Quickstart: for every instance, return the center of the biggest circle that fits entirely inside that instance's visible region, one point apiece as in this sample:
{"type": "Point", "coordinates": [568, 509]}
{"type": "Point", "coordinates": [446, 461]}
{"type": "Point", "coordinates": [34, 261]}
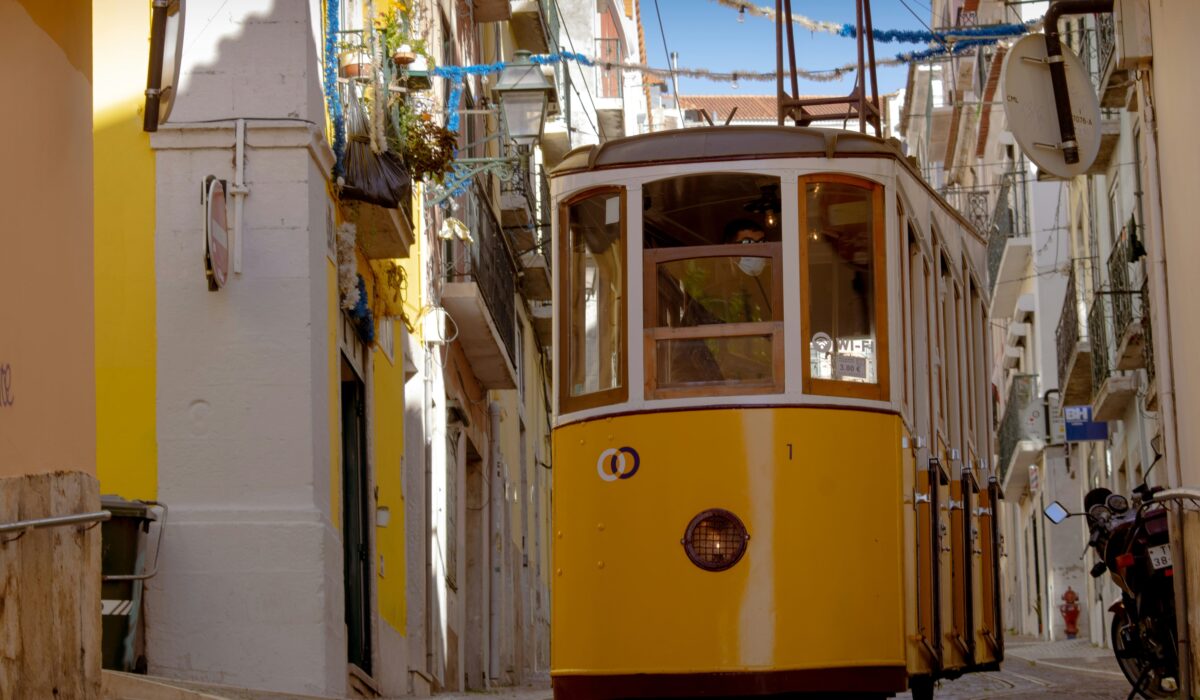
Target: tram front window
{"type": "Point", "coordinates": [593, 301]}
{"type": "Point", "coordinates": [713, 300]}
{"type": "Point", "coordinates": [842, 258]}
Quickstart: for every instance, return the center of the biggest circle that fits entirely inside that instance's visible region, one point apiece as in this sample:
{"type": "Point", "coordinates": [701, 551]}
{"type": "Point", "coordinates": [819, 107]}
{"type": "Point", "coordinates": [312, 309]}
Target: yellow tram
{"type": "Point", "coordinates": [772, 440]}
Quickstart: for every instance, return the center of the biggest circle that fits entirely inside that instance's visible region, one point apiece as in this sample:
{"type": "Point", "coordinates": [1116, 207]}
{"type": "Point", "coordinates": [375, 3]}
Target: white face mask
{"type": "Point", "coordinates": [752, 266]}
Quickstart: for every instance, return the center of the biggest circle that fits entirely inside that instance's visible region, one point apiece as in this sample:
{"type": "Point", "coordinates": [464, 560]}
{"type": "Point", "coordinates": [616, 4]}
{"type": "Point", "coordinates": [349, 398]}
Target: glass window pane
{"type": "Point", "coordinates": [742, 360]}
{"type": "Point", "coordinates": [703, 291]}
{"type": "Point", "coordinates": [839, 235]}
{"type": "Point", "coordinates": [595, 274]}
{"type": "Point", "coordinates": [714, 310]}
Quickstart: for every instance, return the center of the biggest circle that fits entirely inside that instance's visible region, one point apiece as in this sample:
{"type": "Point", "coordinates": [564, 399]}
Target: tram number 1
{"type": "Point", "coordinates": [789, 451]}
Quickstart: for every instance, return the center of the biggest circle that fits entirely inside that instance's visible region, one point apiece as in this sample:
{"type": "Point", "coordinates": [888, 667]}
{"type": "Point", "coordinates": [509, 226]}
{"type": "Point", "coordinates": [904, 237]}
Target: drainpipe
{"type": "Point", "coordinates": [496, 505]}
{"type": "Point", "coordinates": [1058, 71]}
{"type": "Point", "coordinates": [158, 44]}
{"type": "Point", "coordinates": [239, 192]}
{"type": "Point", "coordinates": [1160, 323]}
{"type": "Point", "coordinates": [427, 423]}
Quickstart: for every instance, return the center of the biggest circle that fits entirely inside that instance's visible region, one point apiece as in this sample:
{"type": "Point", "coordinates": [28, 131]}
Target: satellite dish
{"type": "Point", "coordinates": [1032, 115]}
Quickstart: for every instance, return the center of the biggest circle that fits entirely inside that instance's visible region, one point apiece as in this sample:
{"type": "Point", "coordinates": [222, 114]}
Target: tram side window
{"type": "Point", "coordinates": [713, 288]}
{"type": "Point", "coordinates": [593, 307]}
{"type": "Point", "coordinates": [842, 249]}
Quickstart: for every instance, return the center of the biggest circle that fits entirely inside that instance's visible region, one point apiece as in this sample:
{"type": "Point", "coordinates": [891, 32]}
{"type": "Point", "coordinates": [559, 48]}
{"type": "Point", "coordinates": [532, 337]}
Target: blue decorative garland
{"type": "Point", "coordinates": [332, 99]}
{"type": "Point", "coordinates": [457, 74]}
{"type": "Point", "coordinates": [952, 50]}
{"type": "Point", "coordinates": [921, 36]}
{"type": "Point", "coordinates": [364, 320]}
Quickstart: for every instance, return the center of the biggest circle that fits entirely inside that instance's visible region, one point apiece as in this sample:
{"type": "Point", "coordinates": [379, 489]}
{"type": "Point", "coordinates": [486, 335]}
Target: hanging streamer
{"type": "Point", "coordinates": [456, 74]}
{"type": "Point", "coordinates": [332, 99]}
{"type": "Point", "coordinates": [904, 36]}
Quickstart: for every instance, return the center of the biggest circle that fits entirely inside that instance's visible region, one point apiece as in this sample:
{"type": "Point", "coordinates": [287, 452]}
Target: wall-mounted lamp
{"type": "Point", "coordinates": [523, 92]}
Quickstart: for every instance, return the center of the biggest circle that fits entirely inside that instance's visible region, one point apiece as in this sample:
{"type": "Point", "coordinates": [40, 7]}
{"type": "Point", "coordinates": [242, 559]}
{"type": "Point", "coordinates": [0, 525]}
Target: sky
{"type": "Point", "coordinates": [706, 34]}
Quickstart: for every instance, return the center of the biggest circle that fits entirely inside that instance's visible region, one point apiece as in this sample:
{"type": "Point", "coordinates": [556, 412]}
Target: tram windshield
{"type": "Point", "coordinates": [713, 300]}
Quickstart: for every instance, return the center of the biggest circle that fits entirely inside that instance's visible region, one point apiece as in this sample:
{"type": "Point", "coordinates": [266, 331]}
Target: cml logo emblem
{"type": "Point", "coordinates": [614, 463]}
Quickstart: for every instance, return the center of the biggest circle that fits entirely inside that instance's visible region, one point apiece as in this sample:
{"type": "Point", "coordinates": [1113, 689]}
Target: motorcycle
{"type": "Point", "coordinates": [1132, 541]}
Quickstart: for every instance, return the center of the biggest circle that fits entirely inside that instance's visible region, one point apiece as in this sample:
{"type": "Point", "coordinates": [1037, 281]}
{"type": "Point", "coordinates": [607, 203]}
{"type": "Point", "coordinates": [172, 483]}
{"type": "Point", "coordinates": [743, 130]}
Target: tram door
{"type": "Point", "coordinates": [987, 549]}
{"type": "Point", "coordinates": [962, 486]}
{"type": "Point", "coordinates": [928, 470]}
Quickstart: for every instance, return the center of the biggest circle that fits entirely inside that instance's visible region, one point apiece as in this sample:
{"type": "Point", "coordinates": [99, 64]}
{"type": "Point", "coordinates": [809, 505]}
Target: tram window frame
{"type": "Point", "coordinates": [880, 389]}
{"type": "Point", "coordinates": [568, 403]}
{"type": "Point", "coordinates": [653, 333]}
{"type": "Point", "coordinates": [906, 386]}
{"type": "Point", "coordinates": [940, 275]}
{"type": "Point", "coordinates": [710, 332]}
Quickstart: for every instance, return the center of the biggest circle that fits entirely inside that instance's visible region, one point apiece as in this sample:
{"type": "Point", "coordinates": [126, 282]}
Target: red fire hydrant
{"type": "Point", "coordinates": [1070, 612]}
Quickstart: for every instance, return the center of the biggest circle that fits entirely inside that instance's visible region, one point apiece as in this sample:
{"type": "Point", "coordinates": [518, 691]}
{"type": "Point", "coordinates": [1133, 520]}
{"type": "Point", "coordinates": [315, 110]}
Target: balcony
{"type": "Point", "coordinates": [533, 242]}
{"type": "Point", "coordinates": [1009, 247]}
{"type": "Point", "coordinates": [377, 192]}
{"type": "Point", "coordinates": [1074, 352]}
{"type": "Point", "coordinates": [479, 292]}
{"type": "Point", "coordinates": [543, 324]}
{"type": "Point", "coordinates": [530, 25]}
{"type": "Point", "coordinates": [517, 203]}
{"type": "Point", "coordinates": [1111, 391]}
{"type": "Point", "coordinates": [610, 103]}
{"type": "Point", "coordinates": [1148, 338]}
{"type": "Point", "coordinates": [1113, 82]}
{"type": "Point", "coordinates": [1022, 432]}
{"type": "Point", "coordinates": [1128, 309]}
{"type": "Point", "coordinates": [491, 10]}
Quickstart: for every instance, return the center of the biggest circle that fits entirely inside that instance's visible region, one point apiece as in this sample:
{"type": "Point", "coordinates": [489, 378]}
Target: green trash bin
{"type": "Point", "coordinates": [123, 553]}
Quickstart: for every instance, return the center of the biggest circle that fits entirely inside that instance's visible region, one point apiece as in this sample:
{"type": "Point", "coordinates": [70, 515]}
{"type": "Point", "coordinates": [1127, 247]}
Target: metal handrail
{"type": "Point", "coordinates": [162, 525]}
{"type": "Point", "coordinates": [25, 526]}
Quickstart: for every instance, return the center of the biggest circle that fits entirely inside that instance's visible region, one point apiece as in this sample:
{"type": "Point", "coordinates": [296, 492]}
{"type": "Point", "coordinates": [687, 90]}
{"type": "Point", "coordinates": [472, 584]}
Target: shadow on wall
{"type": "Point", "coordinates": [250, 591]}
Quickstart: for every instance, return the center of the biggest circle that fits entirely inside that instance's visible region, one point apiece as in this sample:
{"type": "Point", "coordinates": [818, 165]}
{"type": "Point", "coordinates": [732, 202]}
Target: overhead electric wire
{"type": "Point", "coordinates": [674, 77]}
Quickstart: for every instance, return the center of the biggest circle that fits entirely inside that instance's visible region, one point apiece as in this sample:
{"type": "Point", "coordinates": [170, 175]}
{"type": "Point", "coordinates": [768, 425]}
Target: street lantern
{"type": "Point", "coordinates": [523, 92]}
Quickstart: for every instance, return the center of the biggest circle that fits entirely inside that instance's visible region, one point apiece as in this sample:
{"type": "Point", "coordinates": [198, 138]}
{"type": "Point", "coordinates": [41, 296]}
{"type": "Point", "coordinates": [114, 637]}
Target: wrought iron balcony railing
{"type": "Point", "coordinates": [608, 79]}
{"type": "Point", "coordinates": [1015, 425]}
{"type": "Point", "coordinates": [1070, 332]}
{"type": "Point", "coordinates": [1100, 340]}
{"type": "Point", "coordinates": [1126, 301]}
{"type": "Point", "coordinates": [1148, 336]}
{"type": "Point", "coordinates": [488, 261]}
{"type": "Point", "coordinates": [1106, 41]}
{"type": "Point", "coordinates": [1005, 222]}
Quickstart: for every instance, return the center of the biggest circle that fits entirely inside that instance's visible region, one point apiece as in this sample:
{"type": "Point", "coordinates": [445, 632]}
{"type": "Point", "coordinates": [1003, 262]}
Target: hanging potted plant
{"type": "Point", "coordinates": [429, 148]}
{"type": "Point", "coordinates": [405, 47]}
{"type": "Point", "coordinates": [354, 61]}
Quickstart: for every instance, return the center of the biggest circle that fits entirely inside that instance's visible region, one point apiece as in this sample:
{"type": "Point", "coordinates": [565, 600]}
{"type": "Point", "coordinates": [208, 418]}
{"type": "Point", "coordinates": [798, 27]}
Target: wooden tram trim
{"type": "Point", "coordinates": [880, 390]}
{"type": "Point", "coordinates": [653, 333]}
{"type": "Point", "coordinates": [620, 393]}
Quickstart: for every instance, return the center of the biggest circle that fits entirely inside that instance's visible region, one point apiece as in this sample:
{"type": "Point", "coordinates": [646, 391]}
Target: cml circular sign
{"type": "Point", "coordinates": [216, 234]}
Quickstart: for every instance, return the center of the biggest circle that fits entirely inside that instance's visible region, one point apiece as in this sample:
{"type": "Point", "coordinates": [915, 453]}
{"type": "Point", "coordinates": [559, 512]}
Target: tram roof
{"type": "Point", "coordinates": [716, 143]}
{"type": "Point", "coordinates": [721, 143]}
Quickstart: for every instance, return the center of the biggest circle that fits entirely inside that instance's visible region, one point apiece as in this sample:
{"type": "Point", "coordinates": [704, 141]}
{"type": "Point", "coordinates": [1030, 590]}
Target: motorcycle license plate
{"type": "Point", "coordinates": [1160, 556]}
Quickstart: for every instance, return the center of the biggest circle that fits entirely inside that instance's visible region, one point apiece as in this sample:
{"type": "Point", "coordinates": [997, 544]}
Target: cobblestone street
{"type": "Point", "coordinates": [1033, 669]}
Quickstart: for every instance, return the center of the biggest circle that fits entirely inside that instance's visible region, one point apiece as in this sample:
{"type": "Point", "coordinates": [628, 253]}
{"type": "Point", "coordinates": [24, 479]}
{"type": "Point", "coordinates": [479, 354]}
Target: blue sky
{"type": "Point", "coordinates": [707, 35]}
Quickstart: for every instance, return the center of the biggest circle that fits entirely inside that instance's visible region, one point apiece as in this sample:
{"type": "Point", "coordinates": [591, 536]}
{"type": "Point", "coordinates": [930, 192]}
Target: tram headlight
{"type": "Point", "coordinates": [715, 540]}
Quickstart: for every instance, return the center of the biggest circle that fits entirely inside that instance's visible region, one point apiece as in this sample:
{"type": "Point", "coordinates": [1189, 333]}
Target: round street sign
{"type": "Point", "coordinates": [216, 234]}
{"type": "Point", "coordinates": [1032, 116]}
